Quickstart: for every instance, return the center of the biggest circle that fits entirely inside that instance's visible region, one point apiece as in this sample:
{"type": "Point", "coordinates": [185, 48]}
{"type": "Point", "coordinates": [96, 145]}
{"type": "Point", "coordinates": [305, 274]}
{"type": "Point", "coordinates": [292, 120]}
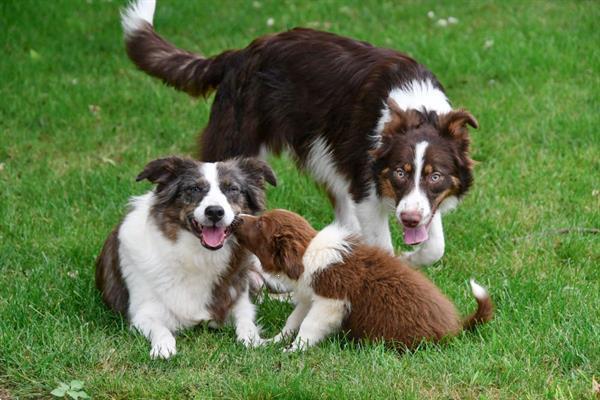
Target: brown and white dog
{"type": "Point", "coordinates": [371, 124]}
{"type": "Point", "coordinates": [171, 263]}
{"type": "Point", "coordinates": [343, 284]}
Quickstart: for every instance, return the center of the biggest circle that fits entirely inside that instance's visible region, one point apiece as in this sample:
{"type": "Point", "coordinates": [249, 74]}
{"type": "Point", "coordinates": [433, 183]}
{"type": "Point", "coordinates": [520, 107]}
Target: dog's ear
{"type": "Point", "coordinates": [257, 170]}
{"type": "Point", "coordinates": [288, 255]}
{"type": "Point", "coordinates": [399, 123]}
{"type": "Point", "coordinates": [256, 173]}
{"type": "Point", "coordinates": [454, 124]}
{"type": "Point", "coordinates": [163, 170]}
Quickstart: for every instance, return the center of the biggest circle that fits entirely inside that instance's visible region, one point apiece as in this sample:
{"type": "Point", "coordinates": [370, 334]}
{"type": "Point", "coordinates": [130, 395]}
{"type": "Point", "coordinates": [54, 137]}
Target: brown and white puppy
{"type": "Point", "coordinates": [342, 284]}
{"type": "Point", "coordinates": [371, 124]}
{"type": "Point", "coordinates": [171, 263]}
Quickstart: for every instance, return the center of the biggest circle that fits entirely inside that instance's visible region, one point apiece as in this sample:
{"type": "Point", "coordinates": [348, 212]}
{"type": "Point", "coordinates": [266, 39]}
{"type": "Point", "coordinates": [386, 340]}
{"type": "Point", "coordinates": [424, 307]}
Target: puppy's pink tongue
{"type": "Point", "coordinates": [213, 236]}
{"type": "Point", "coordinates": [415, 235]}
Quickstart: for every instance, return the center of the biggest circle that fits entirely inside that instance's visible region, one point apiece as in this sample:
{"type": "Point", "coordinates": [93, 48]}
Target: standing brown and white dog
{"type": "Point", "coordinates": [172, 262]}
{"type": "Point", "coordinates": [342, 284]}
{"type": "Point", "coordinates": [371, 124]}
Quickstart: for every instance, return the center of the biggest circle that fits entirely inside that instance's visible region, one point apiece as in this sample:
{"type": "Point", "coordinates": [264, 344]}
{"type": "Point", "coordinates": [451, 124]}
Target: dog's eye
{"type": "Point", "coordinates": [435, 177]}
{"type": "Point", "coordinates": [195, 189]}
{"type": "Point", "coordinates": [400, 174]}
{"type": "Point", "coordinates": [232, 189]}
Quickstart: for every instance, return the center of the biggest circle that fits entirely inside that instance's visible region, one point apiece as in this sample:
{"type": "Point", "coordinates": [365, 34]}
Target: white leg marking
{"type": "Point", "coordinates": [322, 166]}
{"type": "Point", "coordinates": [324, 318]}
{"type": "Point", "coordinates": [243, 317]}
{"type": "Point", "coordinates": [161, 338]}
{"type": "Point", "coordinates": [374, 224]}
{"type": "Point", "coordinates": [432, 249]}
{"type": "Point", "coordinates": [293, 322]}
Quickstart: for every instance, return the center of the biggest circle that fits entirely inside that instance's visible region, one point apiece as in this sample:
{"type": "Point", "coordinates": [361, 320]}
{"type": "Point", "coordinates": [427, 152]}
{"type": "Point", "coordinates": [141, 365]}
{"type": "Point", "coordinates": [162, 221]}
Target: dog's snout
{"type": "Point", "coordinates": [410, 219]}
{"type": "Point", "coordinates": [214, 213]}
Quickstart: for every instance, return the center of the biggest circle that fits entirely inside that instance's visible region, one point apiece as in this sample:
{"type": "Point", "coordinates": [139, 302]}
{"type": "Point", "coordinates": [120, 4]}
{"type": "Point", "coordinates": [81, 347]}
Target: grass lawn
{"type": "Point", "coordinates": [78, 122]}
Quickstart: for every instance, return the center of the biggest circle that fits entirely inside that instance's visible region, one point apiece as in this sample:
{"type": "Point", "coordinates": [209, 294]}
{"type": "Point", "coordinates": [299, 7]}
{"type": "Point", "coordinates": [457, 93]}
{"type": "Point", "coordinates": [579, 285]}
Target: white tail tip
{"type": "Point", "coordinates": [478, 291]}
{"type": "Point", "coordinates": [136, 13]}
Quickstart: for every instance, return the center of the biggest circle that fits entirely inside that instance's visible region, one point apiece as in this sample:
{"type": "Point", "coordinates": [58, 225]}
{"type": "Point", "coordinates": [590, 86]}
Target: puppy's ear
{"type": "Point", "coordinates": [163, 170]}
{"type": "Point", "coordinates": [256, 173]}
{"type": "Point", "coordinates": [288, 256]}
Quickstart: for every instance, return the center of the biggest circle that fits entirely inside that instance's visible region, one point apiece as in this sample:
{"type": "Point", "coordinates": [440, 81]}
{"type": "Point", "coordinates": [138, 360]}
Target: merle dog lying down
{"type": "Point", "coordinates": [342, 284]}
{"type": "Point", "coordinates": [172, 262]}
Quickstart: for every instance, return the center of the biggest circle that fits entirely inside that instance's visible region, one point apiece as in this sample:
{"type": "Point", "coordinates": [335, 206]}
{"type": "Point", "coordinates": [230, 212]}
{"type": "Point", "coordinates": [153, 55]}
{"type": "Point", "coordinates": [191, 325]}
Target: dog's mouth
{"type": "Point", "coordinates": [418, 234]}
{"type": "Point", "coordinates": [211, 237]}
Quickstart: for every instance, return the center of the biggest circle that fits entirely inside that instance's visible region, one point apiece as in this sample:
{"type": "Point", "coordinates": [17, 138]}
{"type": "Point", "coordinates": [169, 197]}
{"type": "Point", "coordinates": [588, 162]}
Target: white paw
{"type": "Point", "coordinates": [164, 348]}
{"type": "Point", "coordinates": [252, 341]}
{"type": "Point", "coordinates": [275, 339]}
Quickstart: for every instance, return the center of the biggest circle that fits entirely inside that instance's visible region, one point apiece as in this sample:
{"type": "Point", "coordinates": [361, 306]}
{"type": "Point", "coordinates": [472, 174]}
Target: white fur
{"type": "Point", "coordinates": [321, 164]}
{"type": "Point", "coordinates": [315, 317]}
{"type": "Point", "coordinates": [214, 197]}
{"type": "Point", "coordinates": [416, 200]}
{"type": "Point", "coordinates": [324, 318]}
{"type": "Point", "coordinates": [478, 291]}
{"type": "Point", "coordinates": [414, 95]}
{"type": "Point", "coordinates": [432, 249]}
{"type": "Point", "coordinates": [328, 247]}
{"type": "Point", "coordinates": [372, 214]}
{"type": "Point", "coordinates": [170, 282]}
{"type": "Point", "coordinates": [136, 14]}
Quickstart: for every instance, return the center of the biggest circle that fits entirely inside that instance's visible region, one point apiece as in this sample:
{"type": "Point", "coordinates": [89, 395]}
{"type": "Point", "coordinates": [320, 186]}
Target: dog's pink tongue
{"type": "Point", "coordinates": [415, 235]}
{"type": "Point", "coordinates": [213, 236]}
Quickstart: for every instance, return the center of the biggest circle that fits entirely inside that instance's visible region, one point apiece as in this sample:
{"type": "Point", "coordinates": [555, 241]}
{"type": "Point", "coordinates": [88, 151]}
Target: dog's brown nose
{"type": "Point", "coordinates": [410, 219]}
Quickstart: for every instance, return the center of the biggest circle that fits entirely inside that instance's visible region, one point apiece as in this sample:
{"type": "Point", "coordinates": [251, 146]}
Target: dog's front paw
{"type": "Point", "coordinates": [252, 341]}
{"type": "Point", "coordinates": [164, 348]}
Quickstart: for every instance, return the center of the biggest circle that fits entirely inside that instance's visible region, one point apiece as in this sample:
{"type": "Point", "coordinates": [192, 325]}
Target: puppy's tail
{"type": "Point", "coordinates": [185, 71]}
{"type": "Point", "coordinates": [485, 307]}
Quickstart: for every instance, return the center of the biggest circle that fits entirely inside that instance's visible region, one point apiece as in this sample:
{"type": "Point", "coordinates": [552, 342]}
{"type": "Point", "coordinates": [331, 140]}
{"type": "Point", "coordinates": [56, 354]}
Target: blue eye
{"type": "Point", "coordinates": [232, 189]}
{"type": "Point", "coordinates": [435, 177]}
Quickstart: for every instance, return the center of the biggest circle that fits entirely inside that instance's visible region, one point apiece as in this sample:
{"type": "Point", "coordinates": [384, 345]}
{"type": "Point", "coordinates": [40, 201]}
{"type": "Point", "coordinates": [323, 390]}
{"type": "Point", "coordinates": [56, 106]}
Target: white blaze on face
{"type": "Point", "coordinates": [416, 200]}
{"type": "Point", "coordinates": [213, 233]}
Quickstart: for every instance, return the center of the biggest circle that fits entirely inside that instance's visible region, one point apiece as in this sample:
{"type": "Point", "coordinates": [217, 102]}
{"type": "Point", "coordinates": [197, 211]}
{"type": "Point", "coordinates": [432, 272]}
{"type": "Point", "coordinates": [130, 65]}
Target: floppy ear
{"type": "Point", "coordinates": [455, 123]}
{"type": "Point", "coordinates": [256, 173]}
{"type": "Point", "coordinates": [258, 170]}
{"type": "Point", "coordinates": [400, 121]}
{"type": "Point", "coordinates": [288, 256]}
{"type": "Point", "coordinates": [162, 170]}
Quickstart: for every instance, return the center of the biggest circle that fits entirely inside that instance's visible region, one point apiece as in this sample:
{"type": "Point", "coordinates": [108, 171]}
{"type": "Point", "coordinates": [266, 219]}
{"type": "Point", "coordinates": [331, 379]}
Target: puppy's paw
{"type": "Point", "coordinates": [163, 348]}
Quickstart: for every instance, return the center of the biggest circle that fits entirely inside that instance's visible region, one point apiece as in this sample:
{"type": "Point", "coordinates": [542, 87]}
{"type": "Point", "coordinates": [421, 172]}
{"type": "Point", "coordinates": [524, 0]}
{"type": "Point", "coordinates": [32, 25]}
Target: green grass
{"type": "Point", "coordinates": [66, 173]}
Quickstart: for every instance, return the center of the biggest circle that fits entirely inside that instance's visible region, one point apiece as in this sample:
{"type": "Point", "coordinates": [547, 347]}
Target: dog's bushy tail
{"type": "Point", "coordinates": [485, 307]}
{"type": "Point", "coordinates": [185, 71]}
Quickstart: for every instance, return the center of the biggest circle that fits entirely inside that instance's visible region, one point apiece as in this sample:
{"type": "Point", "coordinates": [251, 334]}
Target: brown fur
{"type": "Point", "coordinates": [388, 299]}
{"type": "Point", "coordinates": [109, 279]}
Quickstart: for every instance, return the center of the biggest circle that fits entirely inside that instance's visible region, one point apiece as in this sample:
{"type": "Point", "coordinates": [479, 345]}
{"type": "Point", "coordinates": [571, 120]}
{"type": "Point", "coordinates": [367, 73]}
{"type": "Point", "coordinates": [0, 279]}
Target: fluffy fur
{"type": "Point", "coordinates": [170, 263]}
{"type": "Point", "coordinates": [342, 284]}
{"type": "Point", "coordinates": [350, 113]}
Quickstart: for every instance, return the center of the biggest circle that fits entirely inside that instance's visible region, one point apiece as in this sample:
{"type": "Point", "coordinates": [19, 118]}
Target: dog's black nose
{"type": "Point", "coordinates": [214, 213]}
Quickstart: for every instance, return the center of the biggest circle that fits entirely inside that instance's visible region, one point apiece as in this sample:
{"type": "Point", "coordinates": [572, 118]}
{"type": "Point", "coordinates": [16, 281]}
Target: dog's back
{"type": "Point", "coordinates": [391, 301]}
